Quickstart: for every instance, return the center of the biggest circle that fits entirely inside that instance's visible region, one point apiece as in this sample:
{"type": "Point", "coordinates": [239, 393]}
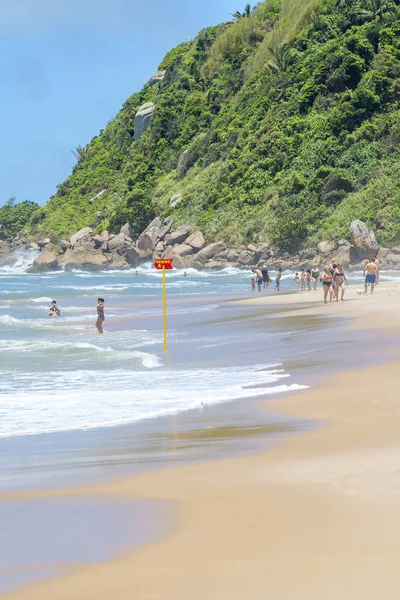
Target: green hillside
{"type": "Point", "coordinates": [289, 116]}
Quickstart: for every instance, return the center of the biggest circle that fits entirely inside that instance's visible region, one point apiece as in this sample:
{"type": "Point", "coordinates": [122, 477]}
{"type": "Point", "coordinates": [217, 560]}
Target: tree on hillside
{"type": "Point", "coordinates": [14, 217]}
{"type": "Point", "coordinates": [80, 153]}
{"type": "Point", "coordinates": [247, 12]}
{"type": "Point", "coordinates": [375, 9]}
{"type": "Point", "coordinates": [280, 58]}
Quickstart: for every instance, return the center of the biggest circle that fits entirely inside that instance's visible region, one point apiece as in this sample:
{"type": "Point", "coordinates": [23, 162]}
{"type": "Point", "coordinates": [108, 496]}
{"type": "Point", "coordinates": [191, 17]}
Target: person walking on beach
{"type": "Point", "coordinates": [308, 278]}
{"type": "Point", "coordinates": [370, 272]}
{"type": "Point", "coordinates": [340, 281]}
{"type": "Point", "coordinates": [54, 311]}
{"type": "Point", "coordinates": [277, 287]}
{"type": "Point", "coordinates": [266, 277]}
{"type": "Point", "coordinates": [303, 280]}
{"type": "Point", "coordinates": [376, 261]}
{"type": "Point", "coordinates": [297, 280]}
{"type": "Point", "coordinates": [315, 275]}
{"type": "Point", "coordinates": [327, 279]}
{"type": "Point", "coordinates": [100, 315]}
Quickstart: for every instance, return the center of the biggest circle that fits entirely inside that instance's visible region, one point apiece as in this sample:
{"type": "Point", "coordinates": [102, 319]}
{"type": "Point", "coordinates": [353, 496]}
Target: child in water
{"type": "Point", "coordinates": [54, 310]}
{"type": "Point", "coordinates": [253, 285]}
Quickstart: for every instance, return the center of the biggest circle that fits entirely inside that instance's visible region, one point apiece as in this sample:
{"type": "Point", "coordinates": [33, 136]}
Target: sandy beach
{"type": "Point", "coordinates": [314, 517]}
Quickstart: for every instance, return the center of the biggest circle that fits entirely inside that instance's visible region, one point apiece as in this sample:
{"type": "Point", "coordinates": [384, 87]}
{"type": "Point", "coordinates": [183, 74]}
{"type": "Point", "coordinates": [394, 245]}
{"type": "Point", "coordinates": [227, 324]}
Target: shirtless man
{"type": "Point", "coordinates": [371, 271]}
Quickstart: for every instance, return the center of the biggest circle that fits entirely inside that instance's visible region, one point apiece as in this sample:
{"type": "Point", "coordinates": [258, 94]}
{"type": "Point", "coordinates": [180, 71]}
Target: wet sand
{"type": "Point", "coordinates": [315, 517]}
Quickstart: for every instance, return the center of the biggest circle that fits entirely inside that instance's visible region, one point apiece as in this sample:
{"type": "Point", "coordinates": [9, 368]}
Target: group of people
{"type": "Point", "coordinates": [333, 279]}
{"type": "Point", "coordinates": [54, 311]}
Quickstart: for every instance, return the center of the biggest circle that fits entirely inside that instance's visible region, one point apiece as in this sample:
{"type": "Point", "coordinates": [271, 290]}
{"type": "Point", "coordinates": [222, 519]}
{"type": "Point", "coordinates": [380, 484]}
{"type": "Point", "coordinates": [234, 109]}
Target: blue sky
{"type": "Point", "coordinates": [67, 66]}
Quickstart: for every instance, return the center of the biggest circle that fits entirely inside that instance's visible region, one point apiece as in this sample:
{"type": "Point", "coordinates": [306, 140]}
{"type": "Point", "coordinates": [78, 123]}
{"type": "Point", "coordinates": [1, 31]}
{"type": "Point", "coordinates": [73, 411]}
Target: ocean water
{"type": "Point", "coordinates": [60, 375]}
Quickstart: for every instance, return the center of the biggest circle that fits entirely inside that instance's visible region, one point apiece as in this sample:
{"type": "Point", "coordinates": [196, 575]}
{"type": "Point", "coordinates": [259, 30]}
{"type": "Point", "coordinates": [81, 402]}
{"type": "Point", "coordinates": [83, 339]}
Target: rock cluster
{"type": "Point", "coordinates": [87, 251]}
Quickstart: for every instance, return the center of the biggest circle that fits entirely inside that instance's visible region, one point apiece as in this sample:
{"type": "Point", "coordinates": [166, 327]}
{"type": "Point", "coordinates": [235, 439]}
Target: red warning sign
{"type": "Point", "coordinates": [163, 263]}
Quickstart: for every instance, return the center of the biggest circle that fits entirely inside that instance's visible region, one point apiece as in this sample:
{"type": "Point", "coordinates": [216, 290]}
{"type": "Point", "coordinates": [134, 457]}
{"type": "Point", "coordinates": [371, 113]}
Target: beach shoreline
{"type": "Point", "coordinates": [321, 504]}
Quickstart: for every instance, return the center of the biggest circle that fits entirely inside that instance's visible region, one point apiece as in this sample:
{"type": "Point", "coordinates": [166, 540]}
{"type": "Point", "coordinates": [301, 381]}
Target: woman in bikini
{"type": "Point", "coordinates": [340, 280]}
{"type": "Point", "coordinates": [100, 315]}
{"type": "Point", "coordinates": [327, 284]}
{"type": "Point", "coordinates": [308, 279]}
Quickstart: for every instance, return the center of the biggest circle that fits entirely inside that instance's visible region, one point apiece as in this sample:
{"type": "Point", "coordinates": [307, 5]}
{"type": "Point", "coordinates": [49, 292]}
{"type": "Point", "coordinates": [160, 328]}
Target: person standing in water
{"type": "Point", "coordinates": [315, 275]}
{"type": "Point", "coordinates": [100, 315]}
{"type": "Point", "coordinates": [371, 271]}
{"type": "Point", "coordinates": [265, 276]}
{"type": "Point", "coordinates": [278, 281]}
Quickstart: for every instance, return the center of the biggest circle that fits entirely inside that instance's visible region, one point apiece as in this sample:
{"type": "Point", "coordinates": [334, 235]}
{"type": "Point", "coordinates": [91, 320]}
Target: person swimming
{"type": "Point", "coordinates": [100, 315]}
{"type": "Point", "coordinates": [54, 311]}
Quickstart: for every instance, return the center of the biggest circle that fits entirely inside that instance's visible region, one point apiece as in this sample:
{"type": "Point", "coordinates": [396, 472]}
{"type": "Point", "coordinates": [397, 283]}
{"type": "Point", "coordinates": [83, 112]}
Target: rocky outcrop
{"type": "Point", "coordinates": [142, 119]}
{"type": "Point", "coordinates": [46, 261]}
{"type": "Point", "coordinates": [128, 230]}
{"type": "Point", "coordinates": [363, 242]}
{"type": "Point", "coordinates": [178, 236]}
{"type": "Point", "coordinates": [82, 233]}
{"type": "Point", "coordinates": [175, 200]}
{"type": "Point", "coordinates": [196, 241]}
{"type": "Point", "coordinates": [156, 78]}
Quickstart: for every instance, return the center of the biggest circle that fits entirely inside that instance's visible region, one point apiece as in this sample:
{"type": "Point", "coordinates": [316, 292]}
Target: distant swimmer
{"type": "Point", "coordinates": [185, 274]}
{"type": "Point", "coordinates": [100, 315]}
{"type": "Point", "coordinates": [371, 272]}
{"type": "Point", "coordinates": [277, 287]}
{"type": "Point", "coordinates": [54, 310]}
{"type": "Point", "coordinates": [136, 272]}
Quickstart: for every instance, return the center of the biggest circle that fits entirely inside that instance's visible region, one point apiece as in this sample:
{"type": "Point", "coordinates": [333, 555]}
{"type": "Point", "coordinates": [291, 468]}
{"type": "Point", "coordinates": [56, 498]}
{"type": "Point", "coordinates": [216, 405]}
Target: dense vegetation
{"type": "Point", "coordinates": [290, 118]}
{"type": "Point", "coordinates": [14, 217]}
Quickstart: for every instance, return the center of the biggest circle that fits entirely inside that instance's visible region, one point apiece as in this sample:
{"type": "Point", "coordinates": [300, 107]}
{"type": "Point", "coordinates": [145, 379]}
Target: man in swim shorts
{"type": "Point", "coordinates": [370, 272]}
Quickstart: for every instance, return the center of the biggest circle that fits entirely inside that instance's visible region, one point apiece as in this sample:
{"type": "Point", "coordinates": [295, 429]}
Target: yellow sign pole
{"type": "Point", "coordinates": [164, 291]}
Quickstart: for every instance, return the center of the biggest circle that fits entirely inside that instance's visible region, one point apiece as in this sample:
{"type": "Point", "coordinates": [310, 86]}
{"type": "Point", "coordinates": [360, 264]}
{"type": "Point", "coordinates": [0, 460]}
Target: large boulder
{"type": "Point", "coordinates": [46, 261]}
{"type": "Point", "coordinates": [142, 119]}
{"type": "Point", "coordinates": [246, 258]}
{"type": "Point", "coordinates": [136, 257]}
{"type": "Point", "coordinates": [127, 230]}
{"type": "Point", "coordinates": [196, 240]}
{"type": "Point", "coordinates": [263, 252]}
{"type": "Point", "coordinates": [148, 239]}
{"type": "Point", "coordinates": [393, 258]}
{"type": "Point", "coordinates": [117, 243]}
{"type": "Point", "coordinates": [232, 255]}
{"type": "Point", "coordinates": [82, 233]}
{"type": "Point", "coordinates": [157, 78]}
{"type": "Point", "coordinates": [78, 258]}
{"type": "Point", "coordinates": [208, 253]}
{"type": "Point", "coordinates": [165, 229]}
{"type": "Point", "coordinates": [183, 250]}
{"type": "Point", "coordinates": [116, 261]}
{"type": "Point", "coordinates": [178, 236]}
{"type": "Point", "coordinates": [64, 245]}
{"type": "Point", "coordinates": [342, 256]}
{"type": "Point", "coordinates": [180, 262]}
{"type": "Point", "coordinates": [326, 248]}
{"type": "Point", "coordinates": [363, 240]}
